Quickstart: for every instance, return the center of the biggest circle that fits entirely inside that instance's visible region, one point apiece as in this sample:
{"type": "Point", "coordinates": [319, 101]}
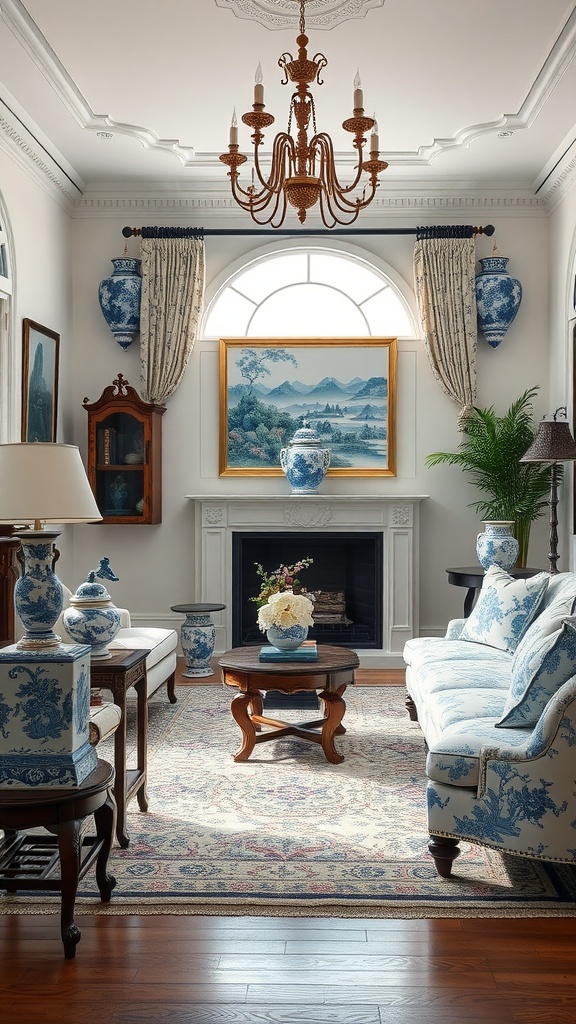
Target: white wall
{"type": "Point", "coordinates": [155, 563]}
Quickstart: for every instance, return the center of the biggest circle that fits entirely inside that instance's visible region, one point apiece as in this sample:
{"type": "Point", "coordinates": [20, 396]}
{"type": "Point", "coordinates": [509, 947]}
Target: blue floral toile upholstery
{"type": "Point", "coordinates": [505, 608]}
{"type": "Point", "coordinates": [511, 788]}
{"type": "Point", "coordinates": [541, 664]}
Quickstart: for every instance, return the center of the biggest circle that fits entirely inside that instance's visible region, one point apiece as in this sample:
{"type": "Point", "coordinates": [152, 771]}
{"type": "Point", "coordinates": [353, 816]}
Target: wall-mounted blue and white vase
{"type": "Point", "coordinates": [498, 298]}
{"type": "Point", "coordinates": [92, 618]}
{"type": "Point", "coordinates": [119, 297]}
{"type": "Point", "coordinates": [304, 461]}
{"type": "Point", "coordinates": [496, 545]}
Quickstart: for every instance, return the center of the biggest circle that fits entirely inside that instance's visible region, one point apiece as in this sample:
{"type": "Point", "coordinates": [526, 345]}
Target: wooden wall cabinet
{"type": "Point", "coordinates": [125, 455]}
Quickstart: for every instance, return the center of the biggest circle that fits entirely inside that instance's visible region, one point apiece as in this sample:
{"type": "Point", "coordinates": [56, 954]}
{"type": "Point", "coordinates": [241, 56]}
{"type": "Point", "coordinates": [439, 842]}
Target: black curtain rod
{"type": "Point", "coordinates": [440, 231]}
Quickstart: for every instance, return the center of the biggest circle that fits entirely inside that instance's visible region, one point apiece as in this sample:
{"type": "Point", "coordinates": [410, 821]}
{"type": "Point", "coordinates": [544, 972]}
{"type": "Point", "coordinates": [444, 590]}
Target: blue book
{"type": "Point", "coordinates": [308, 651]}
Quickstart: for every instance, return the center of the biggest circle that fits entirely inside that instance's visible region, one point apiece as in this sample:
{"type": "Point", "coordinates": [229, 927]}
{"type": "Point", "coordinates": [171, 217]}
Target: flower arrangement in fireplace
{"type": "Point", "coordinates": [284, 578]}
{"type": "Point", "coordinates": [285, 609]}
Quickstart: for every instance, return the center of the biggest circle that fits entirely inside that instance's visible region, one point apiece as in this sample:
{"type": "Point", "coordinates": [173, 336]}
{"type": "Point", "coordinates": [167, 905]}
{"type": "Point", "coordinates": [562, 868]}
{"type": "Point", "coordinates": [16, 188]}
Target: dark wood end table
{"type": "Point", "coordinates": [330, 675]}
{"type": "Point", "coordinates": [117, 674]}
{"type": "Point", "coordinates": [472, 577]}
{"type": "Point", "coordinates": [27, 862]}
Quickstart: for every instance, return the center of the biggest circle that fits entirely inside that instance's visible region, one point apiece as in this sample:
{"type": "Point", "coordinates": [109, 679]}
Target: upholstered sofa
{"type": "Point", "coordinates": [496, 701]}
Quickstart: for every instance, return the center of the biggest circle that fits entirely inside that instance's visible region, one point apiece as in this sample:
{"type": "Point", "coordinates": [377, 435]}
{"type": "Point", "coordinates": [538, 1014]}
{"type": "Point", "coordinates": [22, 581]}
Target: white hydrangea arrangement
{"type": "Point", "coordinates": [285, 609]}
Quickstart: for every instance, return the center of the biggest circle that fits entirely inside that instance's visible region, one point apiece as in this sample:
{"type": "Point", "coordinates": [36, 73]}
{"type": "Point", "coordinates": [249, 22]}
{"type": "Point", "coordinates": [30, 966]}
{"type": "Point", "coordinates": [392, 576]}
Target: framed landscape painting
{"type": "Point", "coordinates": [40, 350]}
{"type": "Point", "coordinates": [345, 388]}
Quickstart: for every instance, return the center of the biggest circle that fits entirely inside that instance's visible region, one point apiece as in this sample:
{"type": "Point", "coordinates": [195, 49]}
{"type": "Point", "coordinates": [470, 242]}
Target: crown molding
{"type": "Point", "coordinates": [20, 145]}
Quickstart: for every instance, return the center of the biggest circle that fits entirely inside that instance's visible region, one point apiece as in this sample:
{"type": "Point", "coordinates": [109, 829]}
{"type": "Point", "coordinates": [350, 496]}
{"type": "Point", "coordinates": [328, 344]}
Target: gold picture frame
{"type": "Point", "coordinates": [344, 387]}
{"type": "Point", "coordinates": [40, 354]}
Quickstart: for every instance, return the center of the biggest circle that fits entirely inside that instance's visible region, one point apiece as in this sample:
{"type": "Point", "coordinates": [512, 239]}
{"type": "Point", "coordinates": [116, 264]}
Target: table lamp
{"type": "Point", "coordinates": [42, 483]}
{"type": "Point", "coordinates": [553, 444]}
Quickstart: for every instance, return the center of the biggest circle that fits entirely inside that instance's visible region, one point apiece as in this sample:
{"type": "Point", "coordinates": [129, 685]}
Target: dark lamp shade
{"type": "Point", "coordinates": [553, 443]}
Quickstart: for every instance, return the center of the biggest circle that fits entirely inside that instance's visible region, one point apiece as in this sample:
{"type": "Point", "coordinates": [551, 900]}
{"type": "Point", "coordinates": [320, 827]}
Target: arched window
{"type": "Point", "coordinates": [8, 389]}
{"type": "Point", "coordinates": [309, 292]}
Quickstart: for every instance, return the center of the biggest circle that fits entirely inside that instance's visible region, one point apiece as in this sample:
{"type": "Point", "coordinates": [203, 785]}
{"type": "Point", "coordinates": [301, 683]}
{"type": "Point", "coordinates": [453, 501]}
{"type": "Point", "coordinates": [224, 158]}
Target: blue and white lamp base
{"type": "Point", "coordinates": [45, 717]}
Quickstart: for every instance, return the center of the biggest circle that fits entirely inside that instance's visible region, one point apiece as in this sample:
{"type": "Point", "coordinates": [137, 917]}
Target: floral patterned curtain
{"type": "Point", "coordinates": [172, 297]}
{"type": "Point", "coordinates": [445, 292]}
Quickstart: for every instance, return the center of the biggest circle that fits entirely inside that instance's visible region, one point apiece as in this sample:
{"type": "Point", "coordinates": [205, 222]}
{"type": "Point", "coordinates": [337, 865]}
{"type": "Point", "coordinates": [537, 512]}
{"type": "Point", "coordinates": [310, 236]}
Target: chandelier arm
{"type": "Point", "coordinates": [323, 144]}
{"type": "Point", "coordinates": [327, 208]}
{"type": "Point", "coordinates": [282, 150]}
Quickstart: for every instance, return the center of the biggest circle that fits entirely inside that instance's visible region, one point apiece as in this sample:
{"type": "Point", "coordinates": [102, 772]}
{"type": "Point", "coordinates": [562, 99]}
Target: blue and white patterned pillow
{"type": "Point", "coordinates": [537, 671]}
{"type": "Point", "coordinates": [504, 609]}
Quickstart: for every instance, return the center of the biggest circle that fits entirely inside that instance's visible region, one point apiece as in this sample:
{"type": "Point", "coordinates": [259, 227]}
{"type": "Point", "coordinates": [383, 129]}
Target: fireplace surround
{"type": "Point", "coordinates": [391, 522]}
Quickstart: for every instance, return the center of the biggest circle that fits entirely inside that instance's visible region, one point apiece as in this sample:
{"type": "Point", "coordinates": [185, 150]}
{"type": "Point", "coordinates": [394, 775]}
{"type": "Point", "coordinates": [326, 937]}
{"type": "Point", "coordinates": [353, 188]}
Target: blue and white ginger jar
{"type": "Point", "coordinates": [496, 545]}
{"type": "Point", "coordinates": [119, 297]}
{"type": "Point", "coordinates": [498, 298]}
{"type": "Point", "coordinates": [304, 461]}
{"type": "Point", "coordinates": [92, 618]}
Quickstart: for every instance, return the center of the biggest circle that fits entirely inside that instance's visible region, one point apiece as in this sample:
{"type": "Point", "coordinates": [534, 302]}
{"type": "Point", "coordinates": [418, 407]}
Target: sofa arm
{"type": "Point", "coordinates": [454, 629]}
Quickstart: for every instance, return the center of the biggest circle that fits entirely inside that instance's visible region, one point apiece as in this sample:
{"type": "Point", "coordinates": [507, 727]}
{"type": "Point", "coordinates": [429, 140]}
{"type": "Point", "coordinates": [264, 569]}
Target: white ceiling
{"type": "Point", "coordinates": [446, 79]}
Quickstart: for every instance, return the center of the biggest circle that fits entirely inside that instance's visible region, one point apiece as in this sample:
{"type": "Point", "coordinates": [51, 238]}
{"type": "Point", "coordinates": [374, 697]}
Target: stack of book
{"type": "Point", "coordinates": [308, 651]}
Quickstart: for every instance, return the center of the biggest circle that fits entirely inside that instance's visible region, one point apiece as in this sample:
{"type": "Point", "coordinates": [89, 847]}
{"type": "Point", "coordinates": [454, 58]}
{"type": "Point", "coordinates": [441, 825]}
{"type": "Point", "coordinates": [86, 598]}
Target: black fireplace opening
{"type": "Point", "coordinates": [344, 562]}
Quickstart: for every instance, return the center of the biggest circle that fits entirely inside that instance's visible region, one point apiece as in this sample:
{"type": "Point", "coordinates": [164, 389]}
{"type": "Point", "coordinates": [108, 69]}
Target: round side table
{"type": "Point", "coordinates": [197, 637]}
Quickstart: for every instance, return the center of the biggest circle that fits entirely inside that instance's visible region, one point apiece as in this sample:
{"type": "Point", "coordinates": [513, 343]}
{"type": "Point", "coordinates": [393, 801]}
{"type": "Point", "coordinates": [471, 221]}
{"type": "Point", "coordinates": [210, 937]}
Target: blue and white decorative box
{"type": "Point", "coordinates": [44, 717]}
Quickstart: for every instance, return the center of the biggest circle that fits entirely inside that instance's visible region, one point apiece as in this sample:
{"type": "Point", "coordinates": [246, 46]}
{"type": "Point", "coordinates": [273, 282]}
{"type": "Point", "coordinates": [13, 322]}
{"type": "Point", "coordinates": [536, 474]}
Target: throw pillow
{"type": "Point", "coordinates": [538, 670]}
{"type": "Point", "coordinates": [504, 609]}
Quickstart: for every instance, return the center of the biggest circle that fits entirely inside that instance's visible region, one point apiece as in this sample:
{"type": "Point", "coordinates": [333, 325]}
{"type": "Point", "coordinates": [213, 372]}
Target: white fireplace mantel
{"type": "Point", "coordinates": [218, 517]}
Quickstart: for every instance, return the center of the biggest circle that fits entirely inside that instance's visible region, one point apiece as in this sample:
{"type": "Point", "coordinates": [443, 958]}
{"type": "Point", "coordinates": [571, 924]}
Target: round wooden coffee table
{"type": "Point", "coordinates": [331, 674]}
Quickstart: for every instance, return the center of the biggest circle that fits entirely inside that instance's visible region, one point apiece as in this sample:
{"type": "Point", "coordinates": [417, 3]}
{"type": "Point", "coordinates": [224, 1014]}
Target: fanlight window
{"type": "Point", "coordinates": [309, 293]}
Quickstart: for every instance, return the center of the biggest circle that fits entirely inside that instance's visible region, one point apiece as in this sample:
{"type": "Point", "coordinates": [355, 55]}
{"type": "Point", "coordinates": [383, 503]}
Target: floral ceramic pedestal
{"type": "Point", "coordinates": [197, 637]}
{"type": "Point", "coordinates": [44, 740]}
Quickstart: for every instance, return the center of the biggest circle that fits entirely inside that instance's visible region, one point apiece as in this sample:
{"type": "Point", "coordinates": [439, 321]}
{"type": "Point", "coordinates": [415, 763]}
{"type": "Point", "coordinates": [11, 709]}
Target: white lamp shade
{"type": "Point", "coordinates": [44, 482]}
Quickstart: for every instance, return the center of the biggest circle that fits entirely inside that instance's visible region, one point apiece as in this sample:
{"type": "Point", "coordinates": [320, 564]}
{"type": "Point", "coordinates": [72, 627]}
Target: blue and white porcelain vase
{"type": "Point", "coordinates": [197, 639]}
{"type": "Point", "coordinates": [498, 298]}
{"type": "Point", "coordinates": [496, 545]}
{"type": "Point", "coordinates": [92, 618]}
{"type": "Point", "coordinates": [119, 297]}
{"type": "Point", "coordinates": [304, 461]}
{"type": "Point", "coordinates": [286, 638]}
{"type": "Point", "coordinates": [38, 594]}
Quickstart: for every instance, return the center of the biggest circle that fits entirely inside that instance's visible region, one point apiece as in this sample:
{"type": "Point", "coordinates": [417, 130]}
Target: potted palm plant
{"type": "Point", "coordinates": [490, 453]}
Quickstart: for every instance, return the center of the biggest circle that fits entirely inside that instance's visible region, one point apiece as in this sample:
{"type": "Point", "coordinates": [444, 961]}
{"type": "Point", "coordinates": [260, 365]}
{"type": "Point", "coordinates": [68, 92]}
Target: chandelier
{"type": "Point", "coordinates": [303, 171]}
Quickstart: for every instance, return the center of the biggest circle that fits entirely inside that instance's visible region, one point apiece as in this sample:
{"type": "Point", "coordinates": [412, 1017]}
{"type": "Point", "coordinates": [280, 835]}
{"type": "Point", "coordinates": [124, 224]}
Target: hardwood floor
{"type": "Point", "coordinates": [263, 970]}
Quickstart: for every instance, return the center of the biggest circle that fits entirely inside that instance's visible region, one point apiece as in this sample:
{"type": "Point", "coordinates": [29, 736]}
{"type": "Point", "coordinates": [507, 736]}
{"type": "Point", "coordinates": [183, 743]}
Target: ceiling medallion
{"type": "Point", "coordinates": [282, 14]}
{"type": "Point", "coordinates": [303, 170]}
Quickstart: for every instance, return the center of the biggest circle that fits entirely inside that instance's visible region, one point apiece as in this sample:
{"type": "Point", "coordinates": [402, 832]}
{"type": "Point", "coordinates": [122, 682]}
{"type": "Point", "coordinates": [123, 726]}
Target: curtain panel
{"type": "Point", "coordinates": [173, 272]}
{"type": "Point", "coordinates": [444, 277]}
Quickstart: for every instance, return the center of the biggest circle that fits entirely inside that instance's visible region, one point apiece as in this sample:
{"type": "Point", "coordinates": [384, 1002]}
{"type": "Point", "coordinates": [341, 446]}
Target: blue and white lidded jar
{"type": "Point", "coordinates": [496, 545]}
{"type": "Point", "coordinates": [304, 461]}
{"type": "Point", "coordinates": [92, 618]}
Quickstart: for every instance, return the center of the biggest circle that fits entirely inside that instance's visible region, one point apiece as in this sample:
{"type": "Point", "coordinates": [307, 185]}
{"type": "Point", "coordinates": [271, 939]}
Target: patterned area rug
{"type": "Point", "coordinates": [287, 833]}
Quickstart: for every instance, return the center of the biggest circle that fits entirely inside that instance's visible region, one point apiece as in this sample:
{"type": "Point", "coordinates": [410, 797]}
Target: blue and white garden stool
{"type": "Point", "coordinates": [197, 637]}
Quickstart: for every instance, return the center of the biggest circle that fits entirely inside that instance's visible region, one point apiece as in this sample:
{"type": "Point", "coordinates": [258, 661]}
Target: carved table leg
{"type": "Point", "coordinates": [69, 849]}
{"type": "Point", "coordinates": [142, 742]}
{"type": "Point", "coordinates": [104, 819]}
{"type": "Point", "coordinates": [170, 683]}
{"type": "Point", "coordinates": [239, 707]}
{"type": "Point", "coordinates": [411, 708]}
{"type": "Point", "coordinates": [444, 850]}
{"type": "Point", "coordinates": [335, 708]}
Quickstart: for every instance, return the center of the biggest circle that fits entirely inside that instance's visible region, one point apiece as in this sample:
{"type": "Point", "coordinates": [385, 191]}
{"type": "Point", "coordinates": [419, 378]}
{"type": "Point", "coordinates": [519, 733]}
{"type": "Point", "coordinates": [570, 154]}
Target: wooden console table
{"type": "Point", "coordinates": [333, 671]}
{"type": "Point", "coordinates": [27, 862]}
{"type": "Point", "coordinates": [117, 674]}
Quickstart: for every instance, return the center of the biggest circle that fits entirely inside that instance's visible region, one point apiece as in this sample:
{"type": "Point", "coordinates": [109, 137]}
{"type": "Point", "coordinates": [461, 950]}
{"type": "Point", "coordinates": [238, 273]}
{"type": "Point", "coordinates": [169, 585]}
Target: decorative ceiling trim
{"type": "Point", "coordinates": [18, 143]}
{"type": "Point", "coordinates": [284, 14]}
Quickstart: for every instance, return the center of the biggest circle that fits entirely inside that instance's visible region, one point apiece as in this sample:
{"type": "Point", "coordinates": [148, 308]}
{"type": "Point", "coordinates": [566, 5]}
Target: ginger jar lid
{"type": "Point", "coordinates": [305, 435]}
{"type": "Point", "coordinates": [91, 591]}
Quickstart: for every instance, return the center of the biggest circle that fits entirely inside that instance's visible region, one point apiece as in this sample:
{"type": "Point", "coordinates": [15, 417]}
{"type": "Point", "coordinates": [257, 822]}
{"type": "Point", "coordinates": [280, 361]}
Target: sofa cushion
{"type": "Point", "coordinates": [505, 608]}
{"type": "Point", "coordinates": [544, 660]}
{"type": "Point", "coordinates": [160, 642]}
{"type": "Point", "coordinates": [428, 650]}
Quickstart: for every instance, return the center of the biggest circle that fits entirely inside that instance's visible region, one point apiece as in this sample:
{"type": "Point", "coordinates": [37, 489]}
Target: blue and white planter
{"type": "Point", "coordinates": [286, 638]}
{"type": "Point", "coordinates": [197, 639]}
{"type": "Point", "coordinates": [304, 462]}
{"type": "Point", "coordinates": [45, 717]}
{"type": "Point", "coordinates": [496, 545]}
{"type": "Point", "coordinates": [119, 296]}
{"type": "Point", "coordinates": [498, 298]}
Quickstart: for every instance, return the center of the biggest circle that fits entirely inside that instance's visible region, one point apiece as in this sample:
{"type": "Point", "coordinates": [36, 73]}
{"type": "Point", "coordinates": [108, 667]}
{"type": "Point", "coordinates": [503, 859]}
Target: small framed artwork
{"type": "Point", "coordinates": [40, 352]}
{"type": "Point", "coordinates": [345, 388]}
